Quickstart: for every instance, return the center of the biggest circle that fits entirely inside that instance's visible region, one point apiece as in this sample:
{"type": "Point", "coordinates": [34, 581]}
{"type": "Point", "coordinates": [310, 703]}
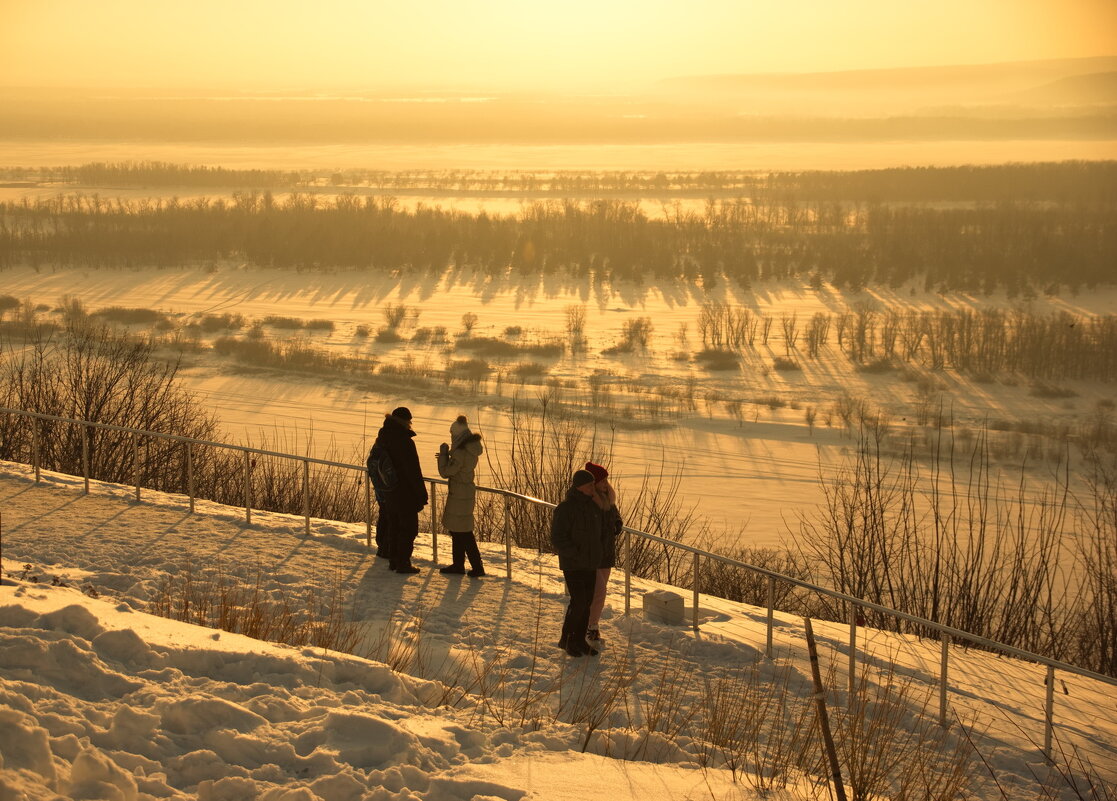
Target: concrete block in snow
{"type": "Point", "coordinates": [663, 606]}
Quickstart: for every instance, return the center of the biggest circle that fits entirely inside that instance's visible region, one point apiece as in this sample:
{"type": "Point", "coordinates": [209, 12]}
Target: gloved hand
{"type": "Point", "coordinates": [443, 449]}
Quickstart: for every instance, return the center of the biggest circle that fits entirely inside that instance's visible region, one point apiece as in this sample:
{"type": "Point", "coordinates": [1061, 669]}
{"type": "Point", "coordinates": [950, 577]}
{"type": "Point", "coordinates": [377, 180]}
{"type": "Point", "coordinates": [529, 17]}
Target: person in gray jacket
{"type": "Point", "coordinates": [457, 462]}
{"type": "Point", "coordinates": [577, 536]}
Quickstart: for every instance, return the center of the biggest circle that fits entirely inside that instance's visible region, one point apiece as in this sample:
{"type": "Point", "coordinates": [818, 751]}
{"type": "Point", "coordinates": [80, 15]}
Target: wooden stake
{"type": "Point", "coordinates": [823, 717]}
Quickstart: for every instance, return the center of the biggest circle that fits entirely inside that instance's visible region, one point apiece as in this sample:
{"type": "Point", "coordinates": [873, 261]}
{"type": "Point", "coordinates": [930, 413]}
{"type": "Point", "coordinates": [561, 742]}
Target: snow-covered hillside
{"type": "Point", "coordinates": [454, 690]}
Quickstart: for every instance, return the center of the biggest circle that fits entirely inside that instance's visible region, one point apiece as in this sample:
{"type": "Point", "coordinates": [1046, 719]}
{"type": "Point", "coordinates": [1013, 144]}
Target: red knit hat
{"type": "Point", "coordinates": [599, 472]}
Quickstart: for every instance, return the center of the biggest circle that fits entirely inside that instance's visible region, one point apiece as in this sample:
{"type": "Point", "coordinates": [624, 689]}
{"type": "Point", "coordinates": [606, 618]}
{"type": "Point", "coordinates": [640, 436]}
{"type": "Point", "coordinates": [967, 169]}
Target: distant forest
{"type": "Point", "coordinates": [1024, 228]}
{"type": "Point", "coordinates": [1070, 181]}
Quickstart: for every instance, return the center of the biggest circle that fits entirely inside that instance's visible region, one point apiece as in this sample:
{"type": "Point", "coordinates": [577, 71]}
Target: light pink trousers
{"type": "Point", "coordinates": [599, 595]}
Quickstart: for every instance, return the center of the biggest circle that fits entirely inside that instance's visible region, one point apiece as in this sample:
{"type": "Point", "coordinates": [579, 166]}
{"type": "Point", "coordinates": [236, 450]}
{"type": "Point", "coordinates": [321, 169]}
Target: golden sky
{"type": "Point", "coordinates": [499, 44]}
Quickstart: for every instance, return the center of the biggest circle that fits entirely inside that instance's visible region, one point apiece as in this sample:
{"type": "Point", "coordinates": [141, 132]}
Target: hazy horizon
{"type": "Point", "coordinates": [511, 46]}
{"type": "Point", "coordinates": [717, 85]}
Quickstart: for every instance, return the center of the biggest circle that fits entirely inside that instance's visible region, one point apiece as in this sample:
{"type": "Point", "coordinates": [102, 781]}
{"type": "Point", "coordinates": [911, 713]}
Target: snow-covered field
{"type": "Point", "coordinates": [100, 700]}
{"type": "Point", "coordinates": [751, 468]}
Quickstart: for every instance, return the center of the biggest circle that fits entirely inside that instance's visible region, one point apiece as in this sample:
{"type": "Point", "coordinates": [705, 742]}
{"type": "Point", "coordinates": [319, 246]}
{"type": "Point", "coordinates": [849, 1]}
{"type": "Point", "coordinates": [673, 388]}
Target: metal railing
{"type": "Point", "coordinates": [947, 634]}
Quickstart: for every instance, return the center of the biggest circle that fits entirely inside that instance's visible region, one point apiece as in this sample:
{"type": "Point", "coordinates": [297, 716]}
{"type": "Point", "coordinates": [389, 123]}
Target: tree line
{"type": "Point", "coordinates": [1020, 247]}
{"type": "Point", "coordinates": [1069, 181]}
{"type": "Point", "coordinates": [1056, 345]}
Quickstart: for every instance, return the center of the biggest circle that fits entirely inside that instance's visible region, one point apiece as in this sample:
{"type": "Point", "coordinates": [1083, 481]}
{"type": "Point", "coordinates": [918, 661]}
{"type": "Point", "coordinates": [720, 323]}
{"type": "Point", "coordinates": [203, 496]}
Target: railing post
{"type": "Point", "coordinates": [190, 473]}
{"type": "Point", "coordinates": [306, 497]}
{"type": "Point", "coordinates": [943, 673]}
{"type": "Point", "coordinates": [85, 455]}
{"type": "Point", "coordinates": [508, 536]}
{"type": "Point", "coordinates": [368, 511]}
{"type": "Point", "coordinates": [1049, 712]}
{"type": "Point", "coordinates": [852, 651]}
{"type": "Point", "coordinates": [694, 621]}
{"type": "Point", "coordinates": [434, 522]}
{"type": "Point", "coordinates": [35, 447]}
{"type": "Point", "coordinates": [136, 464]}
{"type": "Point", "coordinates": [247, 488]}
{"type": "Point", "coordinates": [627, 572]}
{"type": "Point", "coordinates": [771, 614]}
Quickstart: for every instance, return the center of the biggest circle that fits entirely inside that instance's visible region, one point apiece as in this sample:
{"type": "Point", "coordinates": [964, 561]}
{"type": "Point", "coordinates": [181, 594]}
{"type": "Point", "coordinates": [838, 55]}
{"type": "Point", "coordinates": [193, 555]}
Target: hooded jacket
{"type": "Point", "coordinates": [458, 465]}
{"type": "Point", "coordinates": [396, 437]}
{"type": "Point", "coordinates": [577, 532]}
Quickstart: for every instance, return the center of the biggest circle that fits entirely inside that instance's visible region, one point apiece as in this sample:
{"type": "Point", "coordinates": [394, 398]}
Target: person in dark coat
{"type": "Point", "coordinates": [380, 491]}
{"type": "Point", "coordinates": [457, 462]}
{"type": "Point", "coordinates": [576, 534]}
{"type": "Point", "coordinates": [606, 498]}
{"type": "Point", "coordinates": [404, 502]}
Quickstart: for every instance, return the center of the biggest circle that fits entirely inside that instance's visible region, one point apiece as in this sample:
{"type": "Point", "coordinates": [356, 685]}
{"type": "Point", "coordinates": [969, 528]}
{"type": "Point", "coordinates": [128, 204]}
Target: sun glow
{"type": "Point", "coordinates": [508, 43]}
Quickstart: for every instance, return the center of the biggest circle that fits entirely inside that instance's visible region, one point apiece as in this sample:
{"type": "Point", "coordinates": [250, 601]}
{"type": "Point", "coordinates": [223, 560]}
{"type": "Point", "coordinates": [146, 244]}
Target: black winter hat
{"type": "Point", "coordinates": [581, 478]}
{"type": "Point", "coordinates": [402, 412]}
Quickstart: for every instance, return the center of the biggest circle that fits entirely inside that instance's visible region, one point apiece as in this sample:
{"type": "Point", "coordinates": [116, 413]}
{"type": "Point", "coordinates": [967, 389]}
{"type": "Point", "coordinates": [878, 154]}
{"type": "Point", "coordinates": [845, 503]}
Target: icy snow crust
{"type": "Point", "coordinates": [99, 700]}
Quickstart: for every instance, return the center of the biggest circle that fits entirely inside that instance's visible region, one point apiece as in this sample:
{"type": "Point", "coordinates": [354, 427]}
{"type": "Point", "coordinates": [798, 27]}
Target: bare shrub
{"type": "Point", "coordinates": [296, 355]}
{"type": "Point", "coordinates": [119, 314]}
{"type": "Point", "coordinates": [490, 346]}
{"type": "Point", "coordinates": [544, 450]}
{"type": "Point", "coordinates": [394, 314]}
{"type": "Point", "coordinates": [713, 359]}
{"type": "Point", "coordinates": [876, 366]}
{"type": "Point", "coordinates": [890, 745]}
{"type": "Point", "coordinates": [967, 552]}
{"type": "Point", "coordinates": [430, 336]}
{"type": "Point", "coordinates": [1095, 642]}
{"type": "Point", "coordinates": [637, 331]}
{"type": "Point", "coordinates": [748, 586]}
{"type": "Point", "coordinates": [576, 321]}
{"type": "Point", "coordinates": [8, 303]}
{"type": "Point", "coordinates": [1044, 390]}
{"type": "Point", "coordinates": [723, 327]}
{"type": "Point", "coordinates": [525, 370]}
{"type": "Point", "coordinates": [278, 321]}
{"type": "Point", "coordinates": [226, 602]}
{"type": "Point", "coordinates": [753, 723]}
{"type": "Point", "coordinates": [668, 712]}
{"type": "Point", "coordinates": [211, 323]}
{"type": "Point", "coordinates": [790, 326]}
{"type": "Point", "coordinates": [80, 375]}
{"type": "Point", "coordinates": [471, 370]}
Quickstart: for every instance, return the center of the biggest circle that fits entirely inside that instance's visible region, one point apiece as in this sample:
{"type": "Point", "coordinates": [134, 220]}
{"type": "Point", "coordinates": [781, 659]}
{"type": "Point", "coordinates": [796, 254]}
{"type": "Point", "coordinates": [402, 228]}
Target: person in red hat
{"type": "Point", "coordinates": [606, 498]}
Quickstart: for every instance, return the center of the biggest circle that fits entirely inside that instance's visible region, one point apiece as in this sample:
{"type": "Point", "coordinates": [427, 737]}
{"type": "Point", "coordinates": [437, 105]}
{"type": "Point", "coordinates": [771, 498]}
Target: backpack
{"type": "Point", "coordinates": [381, 470]}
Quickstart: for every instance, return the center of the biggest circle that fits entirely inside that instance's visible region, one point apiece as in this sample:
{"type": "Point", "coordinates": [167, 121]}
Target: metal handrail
{"type": "Point", "coordinates": [949, 634]}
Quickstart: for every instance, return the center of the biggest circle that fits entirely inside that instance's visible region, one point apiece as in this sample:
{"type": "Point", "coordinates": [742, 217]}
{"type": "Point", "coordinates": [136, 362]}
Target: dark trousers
{"type": "Point", "coordinates": [580, 584]}
{"type": "Point", "coordinates": [465, 545]}
{"type": "Point", "coordinates": [383, 529]}
{"type": "Point", "coordinates": [403, 524]}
